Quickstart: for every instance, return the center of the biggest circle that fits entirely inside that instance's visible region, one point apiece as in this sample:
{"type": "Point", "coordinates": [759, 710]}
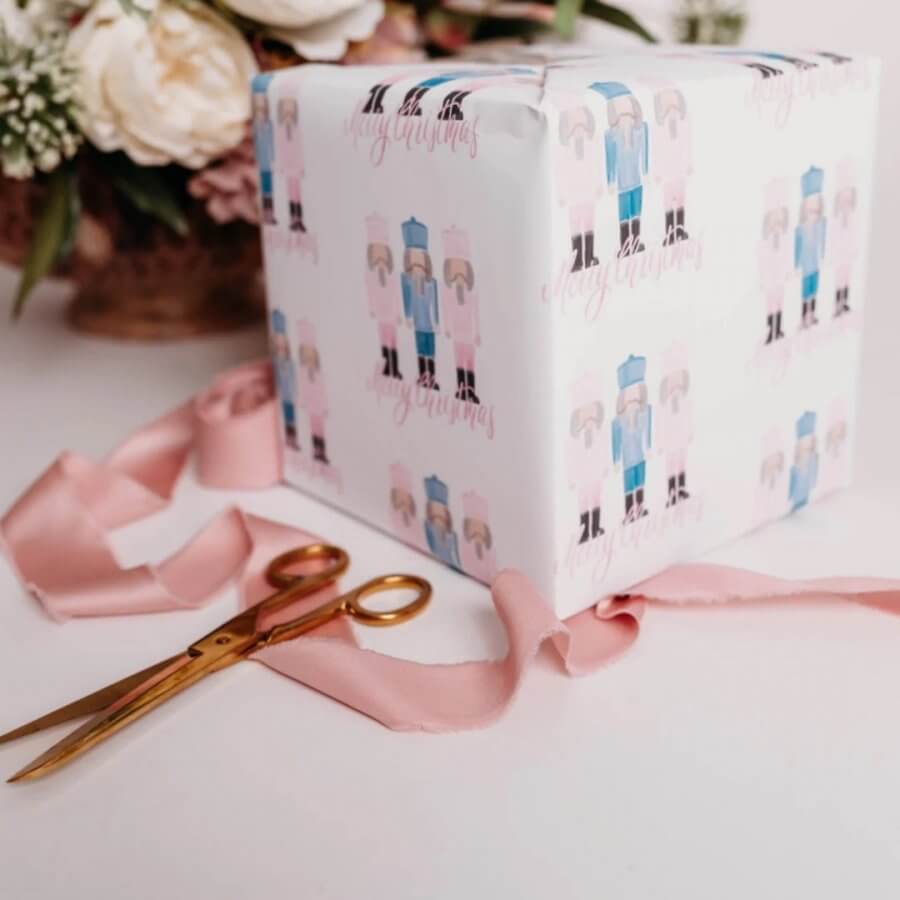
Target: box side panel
{"type": "Point", "coordinates": [408, 330]}
{"type": "Point", "coordinates": [697, 400]}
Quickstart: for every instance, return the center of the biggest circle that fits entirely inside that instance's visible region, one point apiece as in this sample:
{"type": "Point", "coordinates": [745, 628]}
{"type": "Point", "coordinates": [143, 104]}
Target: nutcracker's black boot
{"type": "Point", "coordinates": [395, 364]}
{"type": "Point", "coordinates": [682, 487]}
{"type": "Point", "coordinates": [680, 231]}
{"type": "Point", "coordinates": [640, 511]}
{"type": "Point", "coordinates": [386, 354]}
{"type": "Point", "coordinates": [290, 432]}
{"type": "Point", "coordinates": [624, 239]}
{"type": "Point", "coordinates": [669, 239]}
{"type": "Point", "coordinates": [410, 105]}
{"type": "Point", "coordinates": [778, 332]}
{"type": "Point", "coordinates": [673, 492]}
{"type": "Point", "coordinates": [629, 508]}
{"type": "Point", "coordinates": [431, 379]}
{"type": "Point", "coordinates": [460, 384]}
{"type": "Point", "coordinates": [846, 299]}
{"type": "Point", "coordinates": [812, 312]}
{"type": "Point", "coordinates": [636, 244]}
{"type": "Point", "coordinates": [585, 524]}
{"type": "Point", "coordinates": [589, 258]}
{"type": "Point", "coordinates": [838, 303]}
{"type": "Point", "coordinates": [470, 380]}
{"type": "Point", "coordinates": [770, 321]}
{"type": "Point", "coordinates": [596, 529]}
{"type": "Point", "coordinates": [423, 380]}
{"type": "Point", "coordinates": [578, 250]}
{"type": "Point", "coordinates": [804, 319]}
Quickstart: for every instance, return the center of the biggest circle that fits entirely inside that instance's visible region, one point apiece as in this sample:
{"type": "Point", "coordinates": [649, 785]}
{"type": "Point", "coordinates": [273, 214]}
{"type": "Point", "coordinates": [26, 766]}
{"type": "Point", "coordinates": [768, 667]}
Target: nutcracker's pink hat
{"type": "Point", "coordinates": [777, 193]}
{"type": "Point", "coordinates": [475, 506]}
{"type": "Point", "coordinates": [400, 478]}
{"type": "Point", "coordinates": [456, 243]}
{"type": "Point", "coordinates": [306, 333]}
{"type": "Point", "coordinates": [377, 230]}
{"type": "Point", "coordinates": [675, 359]}
{"type": "Point", "coordinates": [587, 388]}
{"type": "Point", "coordinates": [772, 443]}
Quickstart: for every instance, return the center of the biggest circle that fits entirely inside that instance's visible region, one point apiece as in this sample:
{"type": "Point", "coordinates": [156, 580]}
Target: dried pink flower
{"type": "Point", "coordinates": [230, 185]}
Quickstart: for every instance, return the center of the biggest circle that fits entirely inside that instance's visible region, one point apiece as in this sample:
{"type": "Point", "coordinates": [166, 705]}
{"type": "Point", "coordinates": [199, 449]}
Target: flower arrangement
{"type": "Point", "coordinates": [150, 99]}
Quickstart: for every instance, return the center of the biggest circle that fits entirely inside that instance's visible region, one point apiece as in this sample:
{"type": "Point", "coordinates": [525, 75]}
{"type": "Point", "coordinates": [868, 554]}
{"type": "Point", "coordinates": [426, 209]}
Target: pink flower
{"type": "Point", "coordinates": [230, 185]}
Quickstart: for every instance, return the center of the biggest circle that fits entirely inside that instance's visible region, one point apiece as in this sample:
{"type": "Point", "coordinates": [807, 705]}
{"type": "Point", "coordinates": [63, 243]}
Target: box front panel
{"type": "Point", "coordinates": [405, 232]}
{"type": "Point", "coordinates": [708, 284]}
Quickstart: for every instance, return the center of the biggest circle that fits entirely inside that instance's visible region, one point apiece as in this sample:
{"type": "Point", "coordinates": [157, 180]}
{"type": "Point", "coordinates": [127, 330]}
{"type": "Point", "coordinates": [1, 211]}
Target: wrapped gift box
{"type": "Point", "coordinates": [583, 316]}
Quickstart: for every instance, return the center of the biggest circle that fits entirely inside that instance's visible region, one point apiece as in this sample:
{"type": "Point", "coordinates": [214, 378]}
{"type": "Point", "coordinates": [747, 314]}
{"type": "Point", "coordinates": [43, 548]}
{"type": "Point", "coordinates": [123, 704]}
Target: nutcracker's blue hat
{"type": "Point", "coordinates": [415, 234]}
{"type": "Point", "coordinates": [436, 490]}
{"type": "Point", "coordinates": [279, 322]}
{"type": "Point", "coordinates": [812, 181]}
{"type": "Point", "coordinates": [632, 371]}
{"type": "Point", "coordinates": [262, 81]}
{"type": "Point", "coordinates": [610, 89]}
{"type": "Point", "coordinates": [806, 425]}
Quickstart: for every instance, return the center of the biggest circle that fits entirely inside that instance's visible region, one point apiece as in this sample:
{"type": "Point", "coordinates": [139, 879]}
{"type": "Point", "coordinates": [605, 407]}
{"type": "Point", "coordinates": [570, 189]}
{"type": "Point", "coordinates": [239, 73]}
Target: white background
{"type": "Point", "coordinates": [734, 753]}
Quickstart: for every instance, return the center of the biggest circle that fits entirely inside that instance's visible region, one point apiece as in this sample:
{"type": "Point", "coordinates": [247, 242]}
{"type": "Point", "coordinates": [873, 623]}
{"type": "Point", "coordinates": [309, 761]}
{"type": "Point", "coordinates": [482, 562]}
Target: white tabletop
{"type": "Point", "coordinates": [733, 753]}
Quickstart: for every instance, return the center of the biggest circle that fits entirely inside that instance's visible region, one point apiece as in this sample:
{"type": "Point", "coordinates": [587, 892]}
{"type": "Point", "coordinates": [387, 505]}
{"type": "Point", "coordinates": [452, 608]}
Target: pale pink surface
{"type": "Point", "coordinates": [56, 536]}
{"type": "Point", "coordinates": [461, 319]}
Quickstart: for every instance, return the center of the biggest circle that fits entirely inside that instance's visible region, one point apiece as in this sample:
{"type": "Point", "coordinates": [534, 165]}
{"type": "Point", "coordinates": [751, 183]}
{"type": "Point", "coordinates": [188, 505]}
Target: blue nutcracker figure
{"type": "Point", "coordinates": [264, 144]}
{"type": "Point", "coordinates": [809, 241]}
{"type": "Point", "coordinates": [420, 297]}
{"type": "Point", "coordinates": [805, 471]}
{"type": "Point", "coordinates": [285, 377]}
{"type": "Point", "coordinates": [631, 433]}
{"type": "Point", "coordinates": [627, 150]}
{"type": "Point", "coordinates": [439, 533]}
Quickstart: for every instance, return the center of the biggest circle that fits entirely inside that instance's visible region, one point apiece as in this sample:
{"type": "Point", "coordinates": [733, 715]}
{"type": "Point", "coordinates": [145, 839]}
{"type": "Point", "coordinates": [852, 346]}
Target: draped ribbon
{"type": "Point", "coordinates": [233, 430]}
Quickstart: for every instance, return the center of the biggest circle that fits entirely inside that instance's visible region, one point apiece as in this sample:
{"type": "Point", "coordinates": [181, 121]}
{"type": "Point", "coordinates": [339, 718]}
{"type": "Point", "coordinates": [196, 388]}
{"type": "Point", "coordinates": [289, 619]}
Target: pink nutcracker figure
{"type": "Point", "coordinates": [311, 390]}
{"type": "Point", "coordinates": [587, 452]}
{"type": "Point", "coordinates": [843, 235]}
{"type": "Point", "coordinates": [403, 506]}
{"type": "Point", "coordinates": [776, 264]}
{"type": "Point", "coordinates": [478, 556]}
{"type": "Point", "coordinates": [834, 455]}
{"type": "Point", "coordinates": [771, 502]}
{"type": "Point", "coordinates": [289, 156]}
{"type": "Point", "coordinates": [675, 429]}
{"type": "Point", "coordinates": [459, 310]}
{"type": "Point", "coordinates": [383, 290]}
{"type": "Point", "coordinates": [672, 158]}
{"type": "Point", "coordinates": [578, 162]}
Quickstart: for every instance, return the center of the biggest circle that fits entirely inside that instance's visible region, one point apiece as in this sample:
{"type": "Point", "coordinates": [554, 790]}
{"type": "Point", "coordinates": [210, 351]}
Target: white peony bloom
{"type": "Point", "coordinates": [291, 13]}
{"type": "Point", "coordinates": [327, 40]}
{"type": "Point", "coordinates": [173, 87]}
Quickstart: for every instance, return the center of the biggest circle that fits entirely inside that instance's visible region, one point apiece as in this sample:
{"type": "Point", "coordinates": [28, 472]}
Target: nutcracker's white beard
{"type": "Point", "coordinates": [404, 514]}
{"type": "Point", "coordinates": [579, 148]}
{"type": "Point", "coordinates": [460, 292]}
{"type": "Point", "coordinates": [382, 276]}
{"type": "Point", "coordinates": [479, 549]}
{"type": "Point", "coordinates": [417, 273]}
{"type": "Point", "coordinates": [673, 125]}
{"type": "Point", "coordinates": [588, 437]}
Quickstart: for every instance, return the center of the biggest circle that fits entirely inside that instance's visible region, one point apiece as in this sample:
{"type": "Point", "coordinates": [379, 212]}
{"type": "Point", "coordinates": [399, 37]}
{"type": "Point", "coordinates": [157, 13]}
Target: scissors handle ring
{"type": "Point", "coordinates": [336, 561]}
{"type": "Point", "coordinates": [354, 601]}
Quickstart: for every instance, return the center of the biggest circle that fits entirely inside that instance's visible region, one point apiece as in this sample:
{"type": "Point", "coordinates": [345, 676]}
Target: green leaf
{"type": "Point", "coordinates": [567, 12]}
{"type": "Point", "coordinates": [130, 8]}
{"type": "Point", "coordinates": [606, 12]}
{"type": "Point", "coordinates": [54, 233]}
{"type": "Point", "coordinates": [148, 191]}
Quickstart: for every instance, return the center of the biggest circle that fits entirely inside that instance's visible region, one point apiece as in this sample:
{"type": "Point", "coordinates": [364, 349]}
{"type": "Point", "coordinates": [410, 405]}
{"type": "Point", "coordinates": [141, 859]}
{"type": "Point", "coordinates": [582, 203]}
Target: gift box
{"type": "Point", "coordinates": [579, 315]}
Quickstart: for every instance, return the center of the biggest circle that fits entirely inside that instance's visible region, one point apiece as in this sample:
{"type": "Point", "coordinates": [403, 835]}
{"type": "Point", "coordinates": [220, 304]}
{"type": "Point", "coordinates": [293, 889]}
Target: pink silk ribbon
{"type": "Point", "coordinates": [233, 430]}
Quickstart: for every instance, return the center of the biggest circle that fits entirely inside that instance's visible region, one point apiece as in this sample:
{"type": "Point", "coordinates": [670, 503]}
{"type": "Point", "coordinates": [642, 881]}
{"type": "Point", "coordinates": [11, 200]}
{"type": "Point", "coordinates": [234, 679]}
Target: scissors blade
{"type": "Point", "coordinates": [180, 672]}
{"type": "Point", "coordinates": [93, 703]}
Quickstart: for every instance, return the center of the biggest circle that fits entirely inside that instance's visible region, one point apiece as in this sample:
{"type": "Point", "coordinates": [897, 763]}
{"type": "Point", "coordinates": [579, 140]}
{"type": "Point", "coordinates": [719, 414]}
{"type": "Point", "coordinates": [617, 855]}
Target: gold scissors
{"type": "Point", "coordinates": [119, 704]}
